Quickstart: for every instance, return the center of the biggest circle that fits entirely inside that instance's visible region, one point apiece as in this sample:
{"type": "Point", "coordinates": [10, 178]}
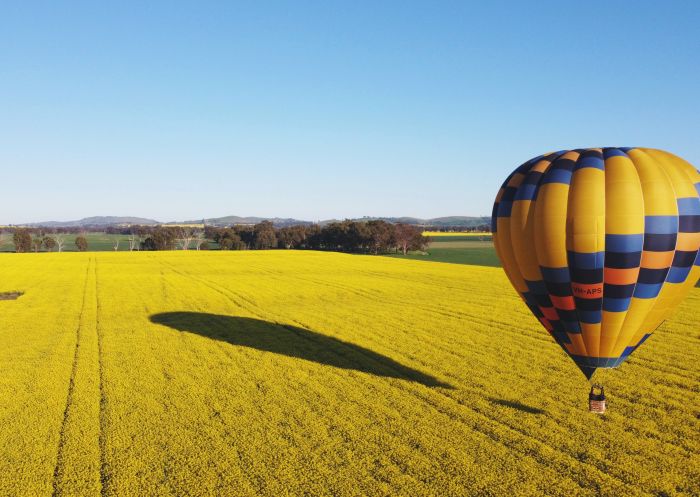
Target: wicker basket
{"type": "Point", "coordinates": [596, 401]}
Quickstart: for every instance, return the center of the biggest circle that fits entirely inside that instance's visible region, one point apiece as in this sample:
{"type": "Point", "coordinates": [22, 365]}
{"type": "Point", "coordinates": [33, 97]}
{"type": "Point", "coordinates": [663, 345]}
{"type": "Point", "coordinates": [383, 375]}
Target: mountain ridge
{"type": "Point", "coordinates": [95, 221]}
{"type": "Point", "coordinates": [457, 221]}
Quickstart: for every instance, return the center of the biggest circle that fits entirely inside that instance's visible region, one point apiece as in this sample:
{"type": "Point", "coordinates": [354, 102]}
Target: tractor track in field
{"type": "Point", "coordinates": [104, 466]}
{"type": "Point", "coordinates": [59, 468]}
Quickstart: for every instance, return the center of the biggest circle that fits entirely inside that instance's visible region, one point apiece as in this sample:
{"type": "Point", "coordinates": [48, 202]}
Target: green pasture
{"type": "Point", "coordinates": [456, 250]}
{"type": "Point", "coordinates": [97, 242]}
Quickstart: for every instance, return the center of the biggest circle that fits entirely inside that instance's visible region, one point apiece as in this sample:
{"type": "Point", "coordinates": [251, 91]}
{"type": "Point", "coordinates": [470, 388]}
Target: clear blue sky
{"type": "Point", "coordinates": [321, 109]}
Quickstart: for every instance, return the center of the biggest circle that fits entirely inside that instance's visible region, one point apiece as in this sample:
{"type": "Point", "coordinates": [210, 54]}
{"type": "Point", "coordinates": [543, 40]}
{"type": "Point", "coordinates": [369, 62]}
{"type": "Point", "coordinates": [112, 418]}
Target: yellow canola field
{"type": "Point", "coordinates": [456, 233]}
{"type": "Point", "coordinates": [279, 373]}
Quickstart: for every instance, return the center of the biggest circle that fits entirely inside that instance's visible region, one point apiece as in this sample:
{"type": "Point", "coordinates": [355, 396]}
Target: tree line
{"type": "Point", "coordinates": [363, 237]}
{"type": "Point", "coordinates": [33, 240]}
{"type": "Point", "coordinates": [370, 237]}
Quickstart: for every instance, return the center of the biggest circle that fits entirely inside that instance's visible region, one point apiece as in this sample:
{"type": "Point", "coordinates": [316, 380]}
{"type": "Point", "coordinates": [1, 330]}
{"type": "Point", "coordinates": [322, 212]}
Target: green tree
{"type": "Point", "coordinates": [265, 237]}
{"type": "Point", "coordinates": [410, 238]}
{"type": "Point", "coordinates": [383, 236]}
{"type": "Point", "coordinates": [37, 242]}
{"type": "Point", "coordinates": [49, 243]}
{"type": "Point", "coordinates": [148, 244]}
{"type": "Point", "coordinates": [291, 237]}
{"type": "Point", "coordinates": [22, 240]}
{"type": "Point", "coordinates": [228, 239]}
{"type": "Point", "coordinates": [246, 234]}
{"type": "Point", "coordinates": [81, 243]}
{"type": "Point", "coordinates": [162, 238]}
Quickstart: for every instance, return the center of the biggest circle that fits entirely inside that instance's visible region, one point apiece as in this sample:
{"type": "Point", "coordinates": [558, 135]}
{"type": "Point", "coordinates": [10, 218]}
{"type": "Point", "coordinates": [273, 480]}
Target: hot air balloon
{"type": "Point", "coordinates": [601, 244]}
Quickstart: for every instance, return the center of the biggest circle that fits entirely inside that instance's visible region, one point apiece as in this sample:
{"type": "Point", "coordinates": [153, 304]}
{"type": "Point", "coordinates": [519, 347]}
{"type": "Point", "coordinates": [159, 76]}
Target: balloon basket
{"type": "Point", "coordinates": [596, 400]}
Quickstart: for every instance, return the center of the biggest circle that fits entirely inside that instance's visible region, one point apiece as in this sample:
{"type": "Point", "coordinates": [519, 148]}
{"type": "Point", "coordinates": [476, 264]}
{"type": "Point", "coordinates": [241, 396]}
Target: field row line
{"type": "Point", "coordinates": [59, 467]}
{"type": "Point", "coordinates": [105, 470]}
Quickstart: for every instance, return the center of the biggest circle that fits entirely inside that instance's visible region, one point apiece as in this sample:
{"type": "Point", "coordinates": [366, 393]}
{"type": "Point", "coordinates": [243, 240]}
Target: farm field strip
{"type": "Point", "coordinates": [79, 455]}
{"type": "Point", "coordinates": [470, 317]}
{"type": "Point", "coordinates": [359, 325]}
{"type": "Point", "coordinates": [413, 333]}
{"type": "Point", "coordinates": [37, 360]}
{"type": "Point", "coordinates": [283, 372]}
{"type": "Point", "coordinates": [454, 234]}
{"type": "Point", "coordinates": [537, 346]}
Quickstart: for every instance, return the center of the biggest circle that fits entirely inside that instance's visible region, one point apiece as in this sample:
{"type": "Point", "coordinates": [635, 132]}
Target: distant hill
{"type": "Point", "coordinates": [454, 221]}
{"type": "Point", "coordinates": [231, 220]}
{"type": "Point", "coordinates": [97, 221]}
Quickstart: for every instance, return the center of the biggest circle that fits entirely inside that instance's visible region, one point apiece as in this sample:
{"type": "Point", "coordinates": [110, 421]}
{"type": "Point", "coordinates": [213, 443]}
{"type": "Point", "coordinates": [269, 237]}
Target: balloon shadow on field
{"type": "Point", "coordinates": [517, 405]}
{"type": "Point", "coordinates": [293, 342]}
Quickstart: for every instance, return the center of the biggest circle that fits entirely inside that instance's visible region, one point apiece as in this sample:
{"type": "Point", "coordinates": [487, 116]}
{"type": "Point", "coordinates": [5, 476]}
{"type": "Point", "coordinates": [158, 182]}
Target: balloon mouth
{"type": "Point", "coordinates": [587, 371]}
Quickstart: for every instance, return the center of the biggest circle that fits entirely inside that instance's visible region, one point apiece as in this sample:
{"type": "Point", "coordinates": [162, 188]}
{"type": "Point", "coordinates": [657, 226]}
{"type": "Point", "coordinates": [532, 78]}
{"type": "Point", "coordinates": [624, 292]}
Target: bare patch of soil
{"type": "Point", "coordinates": [10, 295]}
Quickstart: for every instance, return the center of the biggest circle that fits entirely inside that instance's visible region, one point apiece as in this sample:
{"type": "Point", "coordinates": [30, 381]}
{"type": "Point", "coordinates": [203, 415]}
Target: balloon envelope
{"type": "Point", "coordinates": [601, 244]}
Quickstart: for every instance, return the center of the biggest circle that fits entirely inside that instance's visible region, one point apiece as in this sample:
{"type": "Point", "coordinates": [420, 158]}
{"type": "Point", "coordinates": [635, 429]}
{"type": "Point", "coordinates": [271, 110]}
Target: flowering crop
{"type": "Point", "coordinates": [308, 373]}
{"type": "Point", "coordinates": [468, 234]}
